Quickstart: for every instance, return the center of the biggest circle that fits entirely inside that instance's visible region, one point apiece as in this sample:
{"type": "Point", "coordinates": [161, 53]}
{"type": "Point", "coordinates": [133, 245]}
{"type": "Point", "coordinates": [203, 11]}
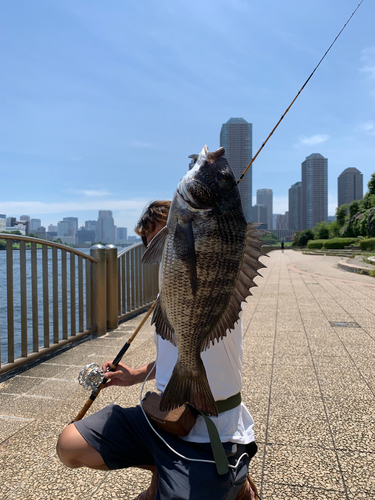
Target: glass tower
{"type": "Point", "coordinates": [236, 137]}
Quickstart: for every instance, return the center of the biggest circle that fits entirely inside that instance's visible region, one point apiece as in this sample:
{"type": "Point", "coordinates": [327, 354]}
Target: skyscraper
{"type": "Point", "coordinates": [260, 213]}
{"type": "Point", "coordinates": [349, 186]}
{"type": "Point", "coordinates": [314, 190]}
{"type": "Point", "coordinates": [236, 137]}
{"type": "Point", "coordinates": [34, 224]}
{"type": "Point", "coordinates": [106, 227]}
{"type": "Point", "coordinates": [265, 197]}
{"type": "Point", "coordinates": [295, 207]}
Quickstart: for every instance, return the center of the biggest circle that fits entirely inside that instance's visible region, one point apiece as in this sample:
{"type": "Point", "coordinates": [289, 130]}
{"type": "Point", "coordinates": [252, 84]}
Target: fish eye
{"type": "Point", "coordinates": [222, 176]}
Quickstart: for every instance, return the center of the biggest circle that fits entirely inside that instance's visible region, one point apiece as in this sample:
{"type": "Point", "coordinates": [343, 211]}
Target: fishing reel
{"type": "Point", "coordinates": [91, 376]}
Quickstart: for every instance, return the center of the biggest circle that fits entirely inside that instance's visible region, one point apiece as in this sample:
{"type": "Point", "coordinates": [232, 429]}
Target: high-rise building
{"type": "Point", "coordinates": [3, 222]}
{"type": "Point", "coordinates": [73, 223]}
{"type": "Point", "coordinates": [265, 197]}
{"type": "Point", "coordinates": [34, 224]}
{"type": "Point", "coordinates": [314, 190]}
{"type": "Point", "coordinates": [122, 234]}
{"type": "Point", "coordinates": [92, 225]}
{"type": "Point", "coordinates": [63, 229]}
{"type": "Point", "coordinates": [106, 227]}
{"type": "Point", "coordinates": [260, 214]}
{"type": "Point", "coordinates": [236, 137]}
{"type": "Point", "coordinates": [349, 186]}
{"type": "Point", "coordinates": [282, 222]}
{"type": "Point", "coordinates": [295, 207]}
{"type": "Point", "coordinates": [25, 218]}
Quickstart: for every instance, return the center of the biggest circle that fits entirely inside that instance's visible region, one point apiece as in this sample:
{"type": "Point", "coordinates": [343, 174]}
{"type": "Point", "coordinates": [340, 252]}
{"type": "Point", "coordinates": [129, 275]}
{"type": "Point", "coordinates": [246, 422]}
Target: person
{"type": "Point", "coordinates": [117, 437]}
{"type": "Point", "coordinates": [282, 246]}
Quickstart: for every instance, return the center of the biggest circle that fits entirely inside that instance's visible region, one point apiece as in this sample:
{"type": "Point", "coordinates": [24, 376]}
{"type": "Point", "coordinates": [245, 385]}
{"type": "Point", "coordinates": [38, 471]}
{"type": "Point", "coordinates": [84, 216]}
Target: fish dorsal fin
{"type": "Point", "coordinates": [162, 326]}
{"type": "Point", "coordinates": [185, 250]}
{"type": "Point", "coordinates": [154, 250]}
{"type": "Point", "coordinates": [244, 281]}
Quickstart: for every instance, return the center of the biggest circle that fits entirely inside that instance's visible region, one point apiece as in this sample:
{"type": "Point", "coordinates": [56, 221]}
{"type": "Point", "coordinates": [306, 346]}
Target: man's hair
{"type": "Point", "coordinates": [156, 211]}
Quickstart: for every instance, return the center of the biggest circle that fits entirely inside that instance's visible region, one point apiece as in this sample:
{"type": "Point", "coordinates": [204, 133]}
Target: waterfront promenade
{"type": "Point", "coordinates": [309, 382]}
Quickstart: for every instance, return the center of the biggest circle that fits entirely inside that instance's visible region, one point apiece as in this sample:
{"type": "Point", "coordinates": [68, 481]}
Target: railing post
{"type": "Point", "coordinates": [99, 289]}
{"type": "Point", "coordinates": [112, 287]}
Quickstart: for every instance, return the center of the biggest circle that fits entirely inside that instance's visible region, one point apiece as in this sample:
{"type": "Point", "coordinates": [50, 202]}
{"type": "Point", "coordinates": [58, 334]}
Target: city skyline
{"type": "Point", "coordinates": [307, 205]}
{"type": "Point", "coordinates": [102, 105]}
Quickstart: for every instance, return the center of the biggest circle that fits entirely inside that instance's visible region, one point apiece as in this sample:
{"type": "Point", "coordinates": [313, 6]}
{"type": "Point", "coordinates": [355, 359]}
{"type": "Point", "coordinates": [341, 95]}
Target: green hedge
{"type": "Point", "coordinates": [315, 244]}
{"type": "Point", "coordinates": [368, 244]}
{"type": "Point", "coordinates": [339, 242]}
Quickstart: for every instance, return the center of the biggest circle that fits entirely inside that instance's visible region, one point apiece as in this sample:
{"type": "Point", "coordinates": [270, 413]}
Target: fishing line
{"type": "Point", "coordinates": [168, 445]}
{"type": "Point", "coordinates": [303, 86]}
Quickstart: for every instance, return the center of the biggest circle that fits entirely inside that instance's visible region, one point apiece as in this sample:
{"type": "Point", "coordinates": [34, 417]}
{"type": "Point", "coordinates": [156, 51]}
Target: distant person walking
{"type": "Point", "coordinates": [282, 246]}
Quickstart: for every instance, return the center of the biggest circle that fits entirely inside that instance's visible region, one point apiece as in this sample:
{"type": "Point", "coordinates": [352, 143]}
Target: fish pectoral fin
{"type": "Point", "coordinates": [244, 281]}
{"type": "Point", "coordinates": [154, 250]}
{"type": "Point", "coordinates": [185, 249]}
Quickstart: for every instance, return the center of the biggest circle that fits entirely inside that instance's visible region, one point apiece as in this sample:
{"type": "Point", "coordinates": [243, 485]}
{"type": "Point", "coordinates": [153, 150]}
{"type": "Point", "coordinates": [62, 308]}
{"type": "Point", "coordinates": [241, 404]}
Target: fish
{"type": "Point", "coordinates": [209, 258]}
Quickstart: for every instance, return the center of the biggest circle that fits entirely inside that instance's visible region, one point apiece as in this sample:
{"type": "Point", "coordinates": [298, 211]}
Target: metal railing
{"type": "Point", "coordinates": [51, 294]}
{"type": "Point", "coordinates": [138, 284]}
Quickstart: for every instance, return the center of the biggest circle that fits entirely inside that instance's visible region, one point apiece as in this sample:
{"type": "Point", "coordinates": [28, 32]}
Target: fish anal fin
{"type": "Point", "coordinates": [162, 326]}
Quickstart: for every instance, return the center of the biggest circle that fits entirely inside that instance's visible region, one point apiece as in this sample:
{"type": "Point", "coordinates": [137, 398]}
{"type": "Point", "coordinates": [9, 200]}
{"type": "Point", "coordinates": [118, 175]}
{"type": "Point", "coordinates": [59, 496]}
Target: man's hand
{"type": "Point", "coordinates": [126, 376]}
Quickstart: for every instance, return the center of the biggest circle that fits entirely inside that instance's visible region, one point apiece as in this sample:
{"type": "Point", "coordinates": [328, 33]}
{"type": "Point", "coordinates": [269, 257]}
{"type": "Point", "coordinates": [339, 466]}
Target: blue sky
{"type": "Point", "coordinates": [103, 102]}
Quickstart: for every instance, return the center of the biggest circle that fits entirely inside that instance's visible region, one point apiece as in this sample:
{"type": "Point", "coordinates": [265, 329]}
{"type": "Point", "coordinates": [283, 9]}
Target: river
{"type": "Point", "coordinates": [17, 300]}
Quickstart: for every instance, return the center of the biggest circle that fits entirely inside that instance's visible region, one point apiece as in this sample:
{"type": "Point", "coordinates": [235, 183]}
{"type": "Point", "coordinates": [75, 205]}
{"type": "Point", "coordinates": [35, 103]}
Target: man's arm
{"type": "Point", "coordinates": [126, 376]}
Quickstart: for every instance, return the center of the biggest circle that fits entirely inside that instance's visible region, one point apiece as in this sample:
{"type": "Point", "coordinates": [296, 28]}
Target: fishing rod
{"type": "Point", "coordinates": [91, 376]}
{"type": "Point", "coordinates": [298, 93]}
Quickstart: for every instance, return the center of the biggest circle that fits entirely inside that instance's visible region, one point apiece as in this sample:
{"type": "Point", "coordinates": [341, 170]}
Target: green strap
{"type": "Point", "coordinates": [229, 404]}
{"type": "Point", "coordinates": [218, 451]}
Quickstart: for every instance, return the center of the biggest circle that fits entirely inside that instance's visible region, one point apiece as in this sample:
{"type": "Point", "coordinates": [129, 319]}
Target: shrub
{"type": "Point", "coordinates": [315, 244]}
{"type": "Point", "coordinates": [339, 242]}
{"type": "Point", "coordinates": [302, 237]}
{"type": "Point", "coordinates": [368, 244]}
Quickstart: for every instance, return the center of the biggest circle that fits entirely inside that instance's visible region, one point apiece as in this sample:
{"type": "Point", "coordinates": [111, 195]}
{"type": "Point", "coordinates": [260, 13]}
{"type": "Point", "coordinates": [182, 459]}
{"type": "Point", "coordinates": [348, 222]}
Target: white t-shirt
{"type": "Point", "coordinates": [223, 364]}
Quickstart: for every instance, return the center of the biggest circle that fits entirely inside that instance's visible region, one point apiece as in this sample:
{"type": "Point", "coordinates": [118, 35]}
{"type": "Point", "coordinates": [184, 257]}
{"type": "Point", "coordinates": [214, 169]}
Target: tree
{"type": "Point", "coordinates": [321, 231]}
{"type": "Point", "coordinates": [270, 238]}
{"type": "Point", "coordinates": [371, 184]}
{"type": "Point", "coordinates": [302, 237]}
{"type": "Point", "coordinates": [341, 213]}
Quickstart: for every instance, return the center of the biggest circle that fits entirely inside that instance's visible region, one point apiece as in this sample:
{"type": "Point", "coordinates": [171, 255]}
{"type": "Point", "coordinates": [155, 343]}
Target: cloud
{"type": "Point", "coordinates": [367, 127]}
{"type": "Point", "coordinates": [91, 192]}
{"type": "Point", "coordinates": [141, 144]}
{"type": "Point", "coordinates": [368, 60]}
{"type": "Point", "coordinates": [39, 207]}
{"type": "Point", "coordinates": [313, 140]}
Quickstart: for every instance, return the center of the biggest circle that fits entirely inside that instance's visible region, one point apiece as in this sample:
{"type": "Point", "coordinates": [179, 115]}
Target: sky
{"type": "Point", "coordinates": [101, 103]}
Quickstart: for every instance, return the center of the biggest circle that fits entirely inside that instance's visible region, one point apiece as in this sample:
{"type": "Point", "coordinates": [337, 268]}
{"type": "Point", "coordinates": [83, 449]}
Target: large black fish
{"type": "Point", "coordinates": [209, 257]}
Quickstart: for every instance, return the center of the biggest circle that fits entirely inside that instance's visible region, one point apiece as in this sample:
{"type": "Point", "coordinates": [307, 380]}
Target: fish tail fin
{"type": "Point", "coordinates": [189, 386]}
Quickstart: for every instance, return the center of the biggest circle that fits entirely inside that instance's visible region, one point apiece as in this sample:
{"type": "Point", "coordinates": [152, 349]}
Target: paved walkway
{"type": "Point", "coordinates": [309, 382]}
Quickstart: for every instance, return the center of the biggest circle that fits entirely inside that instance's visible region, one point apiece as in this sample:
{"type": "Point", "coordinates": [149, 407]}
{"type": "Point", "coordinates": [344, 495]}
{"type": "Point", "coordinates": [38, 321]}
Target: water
{"type": "Point", "coordinates": [17, 300]}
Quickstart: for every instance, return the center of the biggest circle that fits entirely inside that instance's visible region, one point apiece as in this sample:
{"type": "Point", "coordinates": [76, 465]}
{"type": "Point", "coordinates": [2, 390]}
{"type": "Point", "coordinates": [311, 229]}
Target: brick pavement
{"type": "Point", "coordinates": [309, 382]}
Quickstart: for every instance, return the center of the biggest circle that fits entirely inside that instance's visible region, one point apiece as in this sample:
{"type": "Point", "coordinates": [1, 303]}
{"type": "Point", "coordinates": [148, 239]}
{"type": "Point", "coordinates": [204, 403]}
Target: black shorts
{"type": "Point", "coordinates": [124, 439]}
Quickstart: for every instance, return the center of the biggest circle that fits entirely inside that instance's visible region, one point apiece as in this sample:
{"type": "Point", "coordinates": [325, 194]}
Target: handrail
{"type": "Point", "coordinates": [56, 294]}
{"type": "Point", "coordinates": [46, 298]}
{"type": "Point", "coordinates": [137, 283]}
{"type": "Point", "coordinates": [28, 239]}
